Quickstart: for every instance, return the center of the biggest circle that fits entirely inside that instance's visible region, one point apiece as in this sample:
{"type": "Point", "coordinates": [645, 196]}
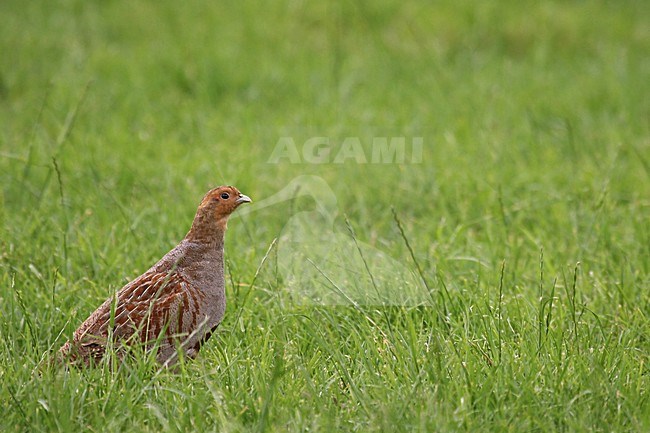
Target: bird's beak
{"type": "Point", "coordinates": [243, 199]}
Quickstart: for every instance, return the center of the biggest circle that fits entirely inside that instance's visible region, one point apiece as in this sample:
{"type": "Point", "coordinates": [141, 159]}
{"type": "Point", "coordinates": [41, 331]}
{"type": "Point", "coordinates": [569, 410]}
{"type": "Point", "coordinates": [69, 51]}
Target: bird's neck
{"type": "Point", "coordinates": [205, 230]}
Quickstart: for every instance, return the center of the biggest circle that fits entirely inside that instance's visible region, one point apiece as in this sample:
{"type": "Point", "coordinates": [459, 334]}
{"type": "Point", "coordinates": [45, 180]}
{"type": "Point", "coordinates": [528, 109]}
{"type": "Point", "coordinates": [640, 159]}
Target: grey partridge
{"type": "Point", "coordinates": [176, 304]}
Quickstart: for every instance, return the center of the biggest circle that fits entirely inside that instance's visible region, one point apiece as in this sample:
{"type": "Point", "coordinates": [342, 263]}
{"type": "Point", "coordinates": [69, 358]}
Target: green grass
{"type": "Point", "coordinates": [528, 216]}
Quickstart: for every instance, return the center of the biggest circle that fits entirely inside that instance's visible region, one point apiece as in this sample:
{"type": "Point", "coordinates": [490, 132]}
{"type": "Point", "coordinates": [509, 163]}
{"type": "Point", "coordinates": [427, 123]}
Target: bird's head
{"type": "Point", "coordinates": [215, 208]}
{"type": "Point", "coordinates": [221, 201]}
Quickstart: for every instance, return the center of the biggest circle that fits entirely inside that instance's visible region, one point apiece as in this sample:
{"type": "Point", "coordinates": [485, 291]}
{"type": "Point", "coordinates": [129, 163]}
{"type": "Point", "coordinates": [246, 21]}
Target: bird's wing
{"type": "Point", "coordinates": [145, 306]}
{"type": "Point", "coordinates": [154, 305]}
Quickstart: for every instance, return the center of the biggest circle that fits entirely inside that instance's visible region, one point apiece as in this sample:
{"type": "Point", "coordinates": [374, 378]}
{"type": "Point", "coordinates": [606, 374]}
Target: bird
{"type": "Point", "coordinates": [172, 308]}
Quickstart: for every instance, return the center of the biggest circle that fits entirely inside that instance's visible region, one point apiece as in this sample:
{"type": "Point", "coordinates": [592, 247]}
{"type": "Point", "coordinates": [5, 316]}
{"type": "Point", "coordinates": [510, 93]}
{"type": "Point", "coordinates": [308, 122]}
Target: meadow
{"type": "Point", "coordinates": [525, 217]}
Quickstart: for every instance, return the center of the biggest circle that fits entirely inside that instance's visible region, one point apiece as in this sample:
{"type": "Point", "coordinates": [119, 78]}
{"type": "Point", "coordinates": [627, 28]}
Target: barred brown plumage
{"type": "Point", "coordinates": [176, 304]}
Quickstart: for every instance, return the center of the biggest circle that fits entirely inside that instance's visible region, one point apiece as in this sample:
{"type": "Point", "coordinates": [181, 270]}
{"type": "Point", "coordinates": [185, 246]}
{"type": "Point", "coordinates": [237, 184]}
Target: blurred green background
{"type": "Point", "coordinates": [115, 118]}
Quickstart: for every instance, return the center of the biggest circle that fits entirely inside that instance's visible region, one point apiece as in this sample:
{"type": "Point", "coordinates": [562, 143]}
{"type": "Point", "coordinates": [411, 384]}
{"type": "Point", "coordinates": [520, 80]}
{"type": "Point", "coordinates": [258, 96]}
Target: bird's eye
{"type": "Point", "coordinates": [225, 195]}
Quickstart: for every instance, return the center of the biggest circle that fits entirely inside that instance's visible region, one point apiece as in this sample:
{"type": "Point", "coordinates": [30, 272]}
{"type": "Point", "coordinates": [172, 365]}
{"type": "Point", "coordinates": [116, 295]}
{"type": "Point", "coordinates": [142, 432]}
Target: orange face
{"type": "Point", "coordinates": [223, 200]}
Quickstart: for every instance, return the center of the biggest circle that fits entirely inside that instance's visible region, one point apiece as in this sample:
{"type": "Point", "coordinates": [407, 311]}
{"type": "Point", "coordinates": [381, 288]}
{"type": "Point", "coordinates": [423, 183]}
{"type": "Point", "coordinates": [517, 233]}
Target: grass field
{"type": "Point", "coordinates": [525, 219]}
